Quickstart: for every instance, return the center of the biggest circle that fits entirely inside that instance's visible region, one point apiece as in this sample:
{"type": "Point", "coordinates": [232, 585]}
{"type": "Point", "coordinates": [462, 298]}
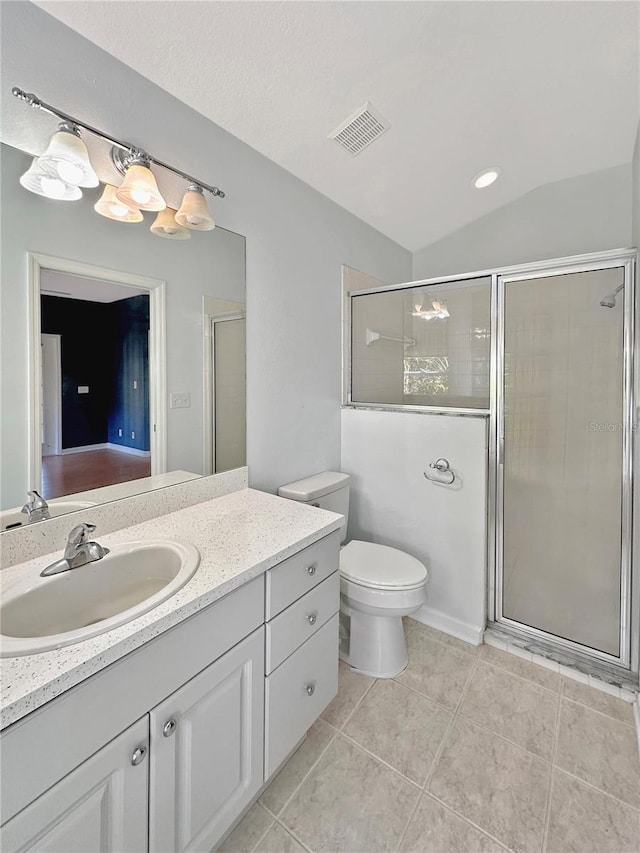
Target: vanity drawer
{"type": "Point", "coordinates": [289, 580]}
{"type": "Point", "coordinates": [301, 620]}
{"type": "Point", "coordinates": [298, 691]}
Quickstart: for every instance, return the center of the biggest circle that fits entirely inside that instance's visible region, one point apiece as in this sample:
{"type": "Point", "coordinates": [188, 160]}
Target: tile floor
{"type": "Point", "coordinates": [468, 750]}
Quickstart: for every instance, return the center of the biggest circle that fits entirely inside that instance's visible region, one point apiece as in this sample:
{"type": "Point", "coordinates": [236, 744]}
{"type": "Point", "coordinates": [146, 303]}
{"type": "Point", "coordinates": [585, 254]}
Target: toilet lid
{"type": "Point", "coordinates": [380, 566]}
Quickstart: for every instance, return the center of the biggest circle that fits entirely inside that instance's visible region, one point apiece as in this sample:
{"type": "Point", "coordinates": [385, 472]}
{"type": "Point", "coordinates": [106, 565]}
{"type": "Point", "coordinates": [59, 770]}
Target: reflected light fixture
{"type": "Point", "coordinates": [110, 206]}
{"type": "Point", "coordinates": [438, 310]}
{"type": "Point", "coordinates": [139, 188]}
{"type": "Point", "coordinates": [486, 178]}
{"type": "Point", "coordinates": [68, 156]}
{"type": "Point", "coordinates": [165, 225]}
{"type": "Point", "coordinates": [194, 211]}
{"type": "Point", "coordinates": [44, 181]}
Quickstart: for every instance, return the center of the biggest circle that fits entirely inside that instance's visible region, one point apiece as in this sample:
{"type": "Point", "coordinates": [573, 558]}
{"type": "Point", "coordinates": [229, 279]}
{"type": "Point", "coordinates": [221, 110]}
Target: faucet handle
{"type": "Point", "coordinates": [36, 501]}
{"type": "Point", "coordinates": [79, 535]}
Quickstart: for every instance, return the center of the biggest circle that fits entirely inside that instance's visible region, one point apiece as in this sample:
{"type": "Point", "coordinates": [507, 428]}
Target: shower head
{"type": "Point", "coordinates": [609, 301]}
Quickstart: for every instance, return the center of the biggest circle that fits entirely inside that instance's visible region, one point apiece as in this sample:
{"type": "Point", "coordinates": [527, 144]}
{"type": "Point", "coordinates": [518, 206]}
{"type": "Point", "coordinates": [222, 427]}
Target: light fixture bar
{"type": "Point", "coordinates": [35, 102]}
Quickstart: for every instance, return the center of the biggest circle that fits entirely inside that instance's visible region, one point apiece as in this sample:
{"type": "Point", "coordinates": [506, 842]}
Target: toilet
{"type": "Point", "coordinates": [378, 585]}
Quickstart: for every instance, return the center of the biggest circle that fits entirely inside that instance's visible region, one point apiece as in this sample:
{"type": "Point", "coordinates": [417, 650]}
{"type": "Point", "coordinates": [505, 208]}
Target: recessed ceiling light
{"type": "Point", "coordinates": [485, 179]}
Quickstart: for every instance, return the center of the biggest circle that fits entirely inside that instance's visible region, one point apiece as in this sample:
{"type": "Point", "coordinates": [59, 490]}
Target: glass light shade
{"type": "Point", "coordinates": [194, 212]}
{"type": "Point", "coordinates": [111, 207]}
{"type": "Point", "coordinates": [43, 180]}
{"type": "Point", "coordinates": [165, 225]}
{"type": "Point", "coordinates": [139, 189]}
{"type": "Point", "coordinates": [68, 155]}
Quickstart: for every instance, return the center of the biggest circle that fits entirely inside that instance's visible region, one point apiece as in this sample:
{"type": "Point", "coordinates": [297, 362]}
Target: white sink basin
{"type": "Point", "coordinates": [11, 518]}
{"type": "Point", "coordinates": [38, 614]}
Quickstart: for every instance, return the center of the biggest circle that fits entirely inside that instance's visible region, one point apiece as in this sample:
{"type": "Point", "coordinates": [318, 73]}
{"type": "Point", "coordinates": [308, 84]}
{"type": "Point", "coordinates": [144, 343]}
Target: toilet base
{"type": "Point", "coordinates": [372, 645]}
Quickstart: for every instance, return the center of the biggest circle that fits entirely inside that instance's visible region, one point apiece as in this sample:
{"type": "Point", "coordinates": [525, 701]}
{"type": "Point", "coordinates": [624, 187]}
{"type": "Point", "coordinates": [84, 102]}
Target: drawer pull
{"type": "Point", "coordinates": [169, 728]}
{"type": "Point", "coordinates": [310, 688]}
{"type": "Point", "coordinates": [138, 755]}
{"type": "Point", "coordinates": [312, 618]}
{"type": "Point", "coordinates": [312, 569]}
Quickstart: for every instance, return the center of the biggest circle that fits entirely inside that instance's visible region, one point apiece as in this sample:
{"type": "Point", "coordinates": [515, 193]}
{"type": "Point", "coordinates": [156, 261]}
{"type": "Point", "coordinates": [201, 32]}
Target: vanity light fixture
{"type": "Point", "coordinates": [194, 211]}
{"type": "Point", "coordinates": [486, 178]}
{"type": "Point", "coordinates": [165, 225]}
{"type": "Point", "coordinates": [43, 180]}
{"type": "Point", "coordinates": [110, 206]}
{"type": "Point", "coordinates": [68, 156]}
{"type": "Point", "coordinates": [65, 166]}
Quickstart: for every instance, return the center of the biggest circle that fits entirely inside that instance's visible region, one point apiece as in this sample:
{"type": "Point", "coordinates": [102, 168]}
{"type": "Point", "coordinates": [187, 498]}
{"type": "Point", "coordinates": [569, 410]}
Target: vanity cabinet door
{"type": "Point", "coordinates": [207, 751]}
{"type": "Point", "coordinates": [101, 807]}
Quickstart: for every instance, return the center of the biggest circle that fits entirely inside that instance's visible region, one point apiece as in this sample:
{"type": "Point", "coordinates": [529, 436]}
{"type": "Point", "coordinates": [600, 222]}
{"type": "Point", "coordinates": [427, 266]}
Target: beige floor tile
{"type": "Point", "coordinates": [600, 750]}
{"type": "Point", "coordinates": [400, 727]}
{"type": "Point", "coordinates": [278, 840]}
{"type": "Point", "coordinates": [280, 790]}
{"type": "Point", "coordinates": [446, 639]}
{"type": "Point", "coordinates": [599, 700]}
{"type": "Point", "coordinates": [437, 671]}
{"type": "Point", "coordinates": [435, 829]}
{"type": "Point", "coordinates": [516, 709]}
{"type": "Point", "coordinates": [582, 820]}
{"type": "Point", "coordinates": [351, 689]}
{"type": "Point", "coordinates": [350, 802]}
{"type": "Point", "coordinates": [248, 832]}
{"type": "Point", "coordinates": [524, 668]}
{"type": "Point", "coordinates": [500, 787]}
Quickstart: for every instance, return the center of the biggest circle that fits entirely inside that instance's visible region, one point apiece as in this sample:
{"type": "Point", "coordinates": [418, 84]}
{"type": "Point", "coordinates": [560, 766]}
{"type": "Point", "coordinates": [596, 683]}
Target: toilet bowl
{"type": "Point", "coordinates": [378, 585]}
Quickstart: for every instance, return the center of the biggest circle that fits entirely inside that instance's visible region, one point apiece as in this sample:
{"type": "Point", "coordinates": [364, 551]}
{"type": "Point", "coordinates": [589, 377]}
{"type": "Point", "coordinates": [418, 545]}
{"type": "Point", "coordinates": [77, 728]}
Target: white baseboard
{"type": "Point", "coordinates": [450, 625]}
{"type": "Point", "coordinates": [131, 450]}
{"type": "Point", "coordinates": [84, 448]}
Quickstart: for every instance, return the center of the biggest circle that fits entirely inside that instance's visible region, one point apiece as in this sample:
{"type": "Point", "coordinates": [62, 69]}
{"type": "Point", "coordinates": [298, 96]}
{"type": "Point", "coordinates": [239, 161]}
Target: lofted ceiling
{"type": "Point", "coordinates": [544, 90]}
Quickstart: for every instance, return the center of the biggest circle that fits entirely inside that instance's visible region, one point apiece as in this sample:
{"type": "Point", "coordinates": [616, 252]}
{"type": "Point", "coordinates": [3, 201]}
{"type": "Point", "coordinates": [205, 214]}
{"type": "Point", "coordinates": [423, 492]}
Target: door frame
{"type": "Point", "coordinates": [629, 635]}
{"type": "Point", "coordinates": [156, 289]}
{"type": "Point", "coordinates": [57, 340]}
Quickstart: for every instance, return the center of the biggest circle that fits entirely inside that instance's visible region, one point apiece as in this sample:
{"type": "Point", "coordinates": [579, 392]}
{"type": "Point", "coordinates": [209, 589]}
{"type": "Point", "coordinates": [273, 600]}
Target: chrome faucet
{"type": "Point", "coordinates": [36, 508]}
{"type": "Point", "coordinates": [78, 552]}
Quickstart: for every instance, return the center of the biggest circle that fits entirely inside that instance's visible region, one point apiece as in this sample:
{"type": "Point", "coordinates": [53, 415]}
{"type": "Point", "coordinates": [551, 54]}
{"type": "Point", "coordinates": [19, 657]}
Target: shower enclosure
{"type": "Point", "coordinates": [544, 352]}
{"type": "Point", "coordinates": [564, 421]}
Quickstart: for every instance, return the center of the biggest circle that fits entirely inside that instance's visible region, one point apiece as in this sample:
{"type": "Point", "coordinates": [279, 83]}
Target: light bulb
{"type": "Point", "coordinates": [141, 196]}
{"type": "Point", "coordinates": [69, 172]}
{"type": "Point", "coordinates": [53, 187]}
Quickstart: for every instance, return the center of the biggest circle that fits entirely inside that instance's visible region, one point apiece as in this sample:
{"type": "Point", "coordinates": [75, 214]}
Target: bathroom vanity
{"type": "Point", "coordinates": [160, 733]}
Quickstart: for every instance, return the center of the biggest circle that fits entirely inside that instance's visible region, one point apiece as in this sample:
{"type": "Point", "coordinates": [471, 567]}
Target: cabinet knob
{"type": "Point", "coordinates": [310, 688]}
{"type": "Point", "coordinates": [169, 728]}
{"type": "Point", "coordinates": [311, 569]}
{"type": "Point", "coordinates": [138, 755]}
{"type": "Point", "coordinates": [311, 618]}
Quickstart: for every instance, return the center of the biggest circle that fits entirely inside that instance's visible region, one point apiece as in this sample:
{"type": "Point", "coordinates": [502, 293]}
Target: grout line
{"type": "Point", "coordinates": [422, 695]}
{"type": "Point", "coordinates": [294, 836]}
{"type": "Point", "coordinates": [595, 788]}
{"type": "Point", "coordinates": [556, 734]}
{"type": "Point", "coordinates": [304, 778]}
{"type": "Point", "coordinates": [408, 823]}
{"type": "Point", "coordinates": [399, 773]}
{"type": "Point", "coordinates": [465, 689]}
{"type": "Point", "coordinates": [602, 713]}
{"type": "Point", "coordinates": [262, 837]}
{"type": "Point", "coordinates": [477, 826]}
{"type": "Point", "coordinates": [356, 706]}
{"type": "Point", "coordinates": [474, 651]}
{"type": "Point", "coordinates": [497, 666]}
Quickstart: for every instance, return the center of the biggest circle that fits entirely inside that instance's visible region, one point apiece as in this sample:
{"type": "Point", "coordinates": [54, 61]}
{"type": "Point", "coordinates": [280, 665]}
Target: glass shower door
{"type": "Point", "coordinates": [563, 552]}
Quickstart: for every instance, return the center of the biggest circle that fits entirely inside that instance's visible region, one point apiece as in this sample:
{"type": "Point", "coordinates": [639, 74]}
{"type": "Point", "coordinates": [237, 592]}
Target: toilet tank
{"type": "Point", "coordinates": [327, 490]}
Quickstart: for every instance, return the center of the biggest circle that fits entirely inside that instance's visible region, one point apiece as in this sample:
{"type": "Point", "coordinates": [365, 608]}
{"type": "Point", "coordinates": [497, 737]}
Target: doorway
{"type": "Point", "coordinates": [98, 378]}
{"type": "Point", "coordinates": [228, 339]}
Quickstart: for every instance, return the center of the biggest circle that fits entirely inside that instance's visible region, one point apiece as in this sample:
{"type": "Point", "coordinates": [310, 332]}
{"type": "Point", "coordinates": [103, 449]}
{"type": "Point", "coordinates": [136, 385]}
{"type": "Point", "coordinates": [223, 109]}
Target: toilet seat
{"type": "Point", "coordinates": [381, 567]}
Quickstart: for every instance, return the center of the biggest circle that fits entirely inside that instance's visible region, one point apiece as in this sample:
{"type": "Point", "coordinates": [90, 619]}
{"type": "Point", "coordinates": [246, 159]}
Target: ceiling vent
{"type": "Point", "coordinates": [360, 129]}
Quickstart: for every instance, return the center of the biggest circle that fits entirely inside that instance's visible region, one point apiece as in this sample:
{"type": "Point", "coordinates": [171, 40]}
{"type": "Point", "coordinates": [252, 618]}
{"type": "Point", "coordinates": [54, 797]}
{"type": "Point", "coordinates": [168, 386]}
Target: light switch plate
{"type": "Point", "coordinates": [180, 400]}
{"type": "Point", "coordinates": [83, 389]}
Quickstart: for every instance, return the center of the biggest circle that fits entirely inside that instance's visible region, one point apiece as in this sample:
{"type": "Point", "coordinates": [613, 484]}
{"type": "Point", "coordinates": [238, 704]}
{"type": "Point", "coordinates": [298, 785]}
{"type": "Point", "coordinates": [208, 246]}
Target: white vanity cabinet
{"type": "Point", "coordinates": [206, 751]}
{"type": "Point", "coordinates": [101, 806]}
{"type": "Point", "coordinates": [163, 750]}
{"type": "Point", "coordinates": [302, 603]}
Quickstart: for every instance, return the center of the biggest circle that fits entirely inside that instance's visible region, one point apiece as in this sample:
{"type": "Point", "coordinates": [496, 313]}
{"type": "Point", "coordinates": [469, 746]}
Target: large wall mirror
{"type": "Point", "coordinates": [123, 355]}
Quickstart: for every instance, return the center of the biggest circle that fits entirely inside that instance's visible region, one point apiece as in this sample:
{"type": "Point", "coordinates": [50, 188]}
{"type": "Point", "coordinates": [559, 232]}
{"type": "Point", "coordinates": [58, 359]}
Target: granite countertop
{"type": "Point", "coordinates": [239, 536]}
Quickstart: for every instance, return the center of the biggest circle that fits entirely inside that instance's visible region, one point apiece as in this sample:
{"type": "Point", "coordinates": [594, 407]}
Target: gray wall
{"type": "Point", "coordinates": [296, 238]}
{"type": "Point", "coordinates": [589, 213]}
